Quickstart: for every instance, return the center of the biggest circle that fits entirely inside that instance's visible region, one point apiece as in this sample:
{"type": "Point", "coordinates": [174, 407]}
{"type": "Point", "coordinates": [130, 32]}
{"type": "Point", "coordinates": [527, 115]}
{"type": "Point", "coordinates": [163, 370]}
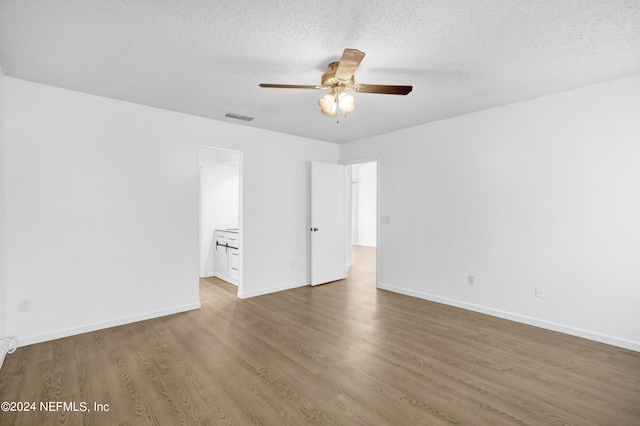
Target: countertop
{"type": "Point", "coordinates": [234, 230]}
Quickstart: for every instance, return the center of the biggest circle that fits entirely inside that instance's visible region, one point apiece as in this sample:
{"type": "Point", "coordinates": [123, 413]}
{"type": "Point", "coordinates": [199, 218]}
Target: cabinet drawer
{"type": "Point", "coordinates": [226, 238]}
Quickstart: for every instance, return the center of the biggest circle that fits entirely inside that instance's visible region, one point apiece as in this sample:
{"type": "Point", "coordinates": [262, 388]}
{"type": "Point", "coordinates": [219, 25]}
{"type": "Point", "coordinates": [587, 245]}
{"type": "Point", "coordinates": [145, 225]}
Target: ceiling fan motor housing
{"type": "Point", "coordinates": [329, 78]}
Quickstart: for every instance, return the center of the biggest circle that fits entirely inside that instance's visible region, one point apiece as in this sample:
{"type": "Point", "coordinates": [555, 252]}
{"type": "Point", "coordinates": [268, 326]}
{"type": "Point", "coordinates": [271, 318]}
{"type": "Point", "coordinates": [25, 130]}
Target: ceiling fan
{"type": "Point", "coordinates": [339, 79]}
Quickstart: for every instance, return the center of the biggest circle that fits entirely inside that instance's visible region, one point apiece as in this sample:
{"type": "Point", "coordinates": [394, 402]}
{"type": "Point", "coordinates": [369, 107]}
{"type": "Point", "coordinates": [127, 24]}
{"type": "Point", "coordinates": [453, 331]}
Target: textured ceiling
{"type": "Point", "coordinates": [207, 58]}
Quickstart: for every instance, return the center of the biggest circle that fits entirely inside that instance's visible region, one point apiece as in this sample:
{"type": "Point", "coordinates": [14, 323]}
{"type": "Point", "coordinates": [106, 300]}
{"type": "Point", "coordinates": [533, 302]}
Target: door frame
{"type": "Point", "coordinates": [240, 212]}
{"type": "Point", "coordinates": [364, 160]}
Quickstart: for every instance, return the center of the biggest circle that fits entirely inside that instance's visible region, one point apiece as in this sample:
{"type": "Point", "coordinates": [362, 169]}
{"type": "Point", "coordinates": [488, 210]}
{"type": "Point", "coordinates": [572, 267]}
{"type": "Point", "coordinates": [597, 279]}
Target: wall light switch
{"type": "Point", "coordinates": [539, 291]}
{"type": "Point", "coordinates": [385, 218]}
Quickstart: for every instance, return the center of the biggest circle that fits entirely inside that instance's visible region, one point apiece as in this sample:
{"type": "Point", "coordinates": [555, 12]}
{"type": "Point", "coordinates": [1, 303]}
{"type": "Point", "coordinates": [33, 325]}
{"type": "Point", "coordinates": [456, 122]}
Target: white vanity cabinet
{"type": "Point", "coordinates": [227, 266]}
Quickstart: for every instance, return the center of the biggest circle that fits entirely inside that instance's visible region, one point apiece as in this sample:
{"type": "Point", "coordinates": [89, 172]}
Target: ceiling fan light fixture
{"type": "Point", "coordinates": [328, 105]}
{"type": "Point", "coordinates": [346, 102]}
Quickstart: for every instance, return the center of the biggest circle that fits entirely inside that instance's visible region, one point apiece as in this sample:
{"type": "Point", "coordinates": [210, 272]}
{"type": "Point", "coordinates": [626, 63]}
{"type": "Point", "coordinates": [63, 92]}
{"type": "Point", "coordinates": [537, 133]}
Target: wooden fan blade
{"type": "Point", "coordinates": [383, 89]}
{"type": "Point", "coordinates": [348, 64]}
{"type": "Point", "coordinates": [290, 86]}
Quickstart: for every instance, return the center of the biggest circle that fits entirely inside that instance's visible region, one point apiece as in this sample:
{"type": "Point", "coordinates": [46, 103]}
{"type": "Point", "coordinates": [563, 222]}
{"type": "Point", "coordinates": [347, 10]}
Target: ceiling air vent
{"type": "Point", "coordinates": [239, 116]}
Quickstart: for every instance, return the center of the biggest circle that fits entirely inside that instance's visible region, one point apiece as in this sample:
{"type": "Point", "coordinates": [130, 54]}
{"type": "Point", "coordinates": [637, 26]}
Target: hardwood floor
{"type": "Point", "coordinates": [339, 354]}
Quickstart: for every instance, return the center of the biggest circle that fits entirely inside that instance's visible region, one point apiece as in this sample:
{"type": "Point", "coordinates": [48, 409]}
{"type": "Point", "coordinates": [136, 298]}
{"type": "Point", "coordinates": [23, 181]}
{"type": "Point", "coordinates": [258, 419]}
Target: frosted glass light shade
{"type": "Point", "coordinates": [328, 105]}
{"type": "Point", "coordinates": [346, 102]}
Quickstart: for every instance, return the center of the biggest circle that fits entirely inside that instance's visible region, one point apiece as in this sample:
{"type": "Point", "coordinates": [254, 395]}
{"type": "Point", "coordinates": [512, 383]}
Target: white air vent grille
{"type": "Point", "coordinates": [239, 116]}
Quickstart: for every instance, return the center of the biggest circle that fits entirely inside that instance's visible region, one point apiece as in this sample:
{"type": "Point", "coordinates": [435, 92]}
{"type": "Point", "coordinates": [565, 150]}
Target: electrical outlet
{"type": "Point", "coordinates": [24, 305]}
{"type": "Point", "coordinates": [471, 280]}
{"type": "Point", "coordinates": [539, 291]}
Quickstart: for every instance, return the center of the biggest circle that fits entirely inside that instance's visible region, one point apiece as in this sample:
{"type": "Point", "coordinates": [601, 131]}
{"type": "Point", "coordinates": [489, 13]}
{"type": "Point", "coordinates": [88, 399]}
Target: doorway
{"type": "Point", "coordinates": [363, 232]}
{"type": "Point", "coordinates": [220, 221]}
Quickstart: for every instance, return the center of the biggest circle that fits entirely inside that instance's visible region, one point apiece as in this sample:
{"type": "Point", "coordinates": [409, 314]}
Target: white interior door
{"type": "Point", "coordinates": [327, 222]}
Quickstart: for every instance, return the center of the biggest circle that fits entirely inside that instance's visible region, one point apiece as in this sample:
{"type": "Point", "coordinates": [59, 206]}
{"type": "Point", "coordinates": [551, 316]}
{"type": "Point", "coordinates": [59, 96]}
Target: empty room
{"type": "Point", "coordinates": [338, 213]}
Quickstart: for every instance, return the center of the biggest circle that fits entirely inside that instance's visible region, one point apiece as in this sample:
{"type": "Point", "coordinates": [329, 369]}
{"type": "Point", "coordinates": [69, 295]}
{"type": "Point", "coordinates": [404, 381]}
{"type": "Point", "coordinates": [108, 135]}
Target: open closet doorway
{"type": "Point", "coordinates": [220, 172]}
{"type": "Point", "coordinates": [362, 250]}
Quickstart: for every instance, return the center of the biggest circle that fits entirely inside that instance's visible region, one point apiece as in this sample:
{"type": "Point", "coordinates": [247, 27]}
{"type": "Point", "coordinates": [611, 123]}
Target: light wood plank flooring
{"type": "Point", "coordinates": [338, 354]}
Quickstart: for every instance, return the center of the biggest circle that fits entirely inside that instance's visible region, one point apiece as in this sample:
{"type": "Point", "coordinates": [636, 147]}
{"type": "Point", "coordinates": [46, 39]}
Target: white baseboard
{"type": "Point", "coordinates": [246, 295]}
{"type": "Point", "coordinates": [549, 325]}
{"type": "Point", "coordinates": [72, 331]}
{"type": "Point", "coordinates": [226, 278]}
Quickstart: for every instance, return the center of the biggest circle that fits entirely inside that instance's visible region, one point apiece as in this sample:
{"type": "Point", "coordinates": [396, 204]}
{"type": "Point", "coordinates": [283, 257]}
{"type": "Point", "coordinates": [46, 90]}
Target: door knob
{"type": "Point", "coordinates": [314, 229]}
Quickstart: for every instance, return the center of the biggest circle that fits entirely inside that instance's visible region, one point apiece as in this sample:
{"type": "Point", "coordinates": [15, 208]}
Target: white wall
{"type": "Point", "coordinates": [102, 209]}
{"type": "Point", "coordinates": [219, 200]}
{"type": "Point", "coordinates": [543, 192]}
{"type": "Point", "coordinates": [3, 300]}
